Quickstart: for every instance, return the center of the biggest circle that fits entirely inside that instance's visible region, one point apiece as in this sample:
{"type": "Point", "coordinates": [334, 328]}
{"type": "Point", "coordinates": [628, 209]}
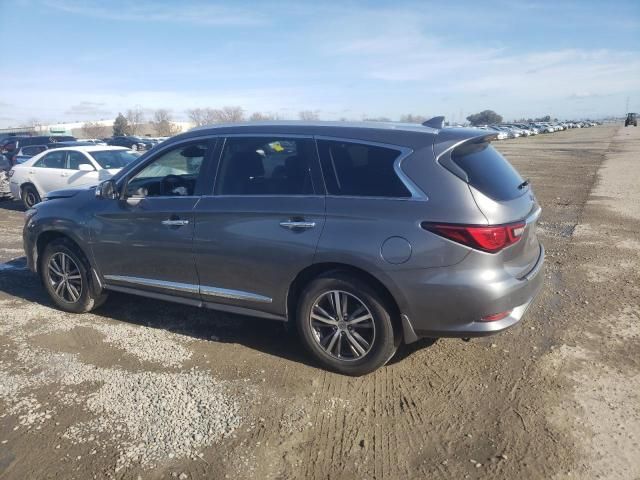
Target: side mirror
{"type": "Point", "coordinates": [85, 167]}
{"type": "Point", "coordinates": [107, 190]}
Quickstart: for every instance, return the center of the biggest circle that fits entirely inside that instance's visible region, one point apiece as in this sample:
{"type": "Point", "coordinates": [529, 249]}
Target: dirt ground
{"type": "Point", "coordinates": [149, 390]}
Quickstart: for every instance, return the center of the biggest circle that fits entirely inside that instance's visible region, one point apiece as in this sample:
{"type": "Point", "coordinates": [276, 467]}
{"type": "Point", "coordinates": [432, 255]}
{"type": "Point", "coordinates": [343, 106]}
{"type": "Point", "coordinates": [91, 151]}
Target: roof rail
{"type": "Point", "coordinates": [435, 122]}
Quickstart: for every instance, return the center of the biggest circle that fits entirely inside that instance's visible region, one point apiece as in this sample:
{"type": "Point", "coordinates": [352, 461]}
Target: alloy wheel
{"type": "Point", "coordinates": [65, 277]}
{"type": "Point", "coordinates": [342, 325]}
{"type": "Point", "coordinates": [31, 198]}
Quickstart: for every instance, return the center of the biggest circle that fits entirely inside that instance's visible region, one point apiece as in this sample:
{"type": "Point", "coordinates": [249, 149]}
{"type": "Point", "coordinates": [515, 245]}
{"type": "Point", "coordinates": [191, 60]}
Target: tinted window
{"type": "Point", "coordinates": [173, 173]}
{"type": "Point", "coordinates": [32, 151]}
{"type": "Point", "coordinates": [74, 159]}
{"type": "Point", "coordinates": [362, 170]}
{"type": "Point", "coordinates": [266, 166]}
{"type": "Point", "coordinates": [52, 160]}
{"type": "Point", "coordinates": [114, 158]}
{"type": "Point", "coordinates": [488, 171]}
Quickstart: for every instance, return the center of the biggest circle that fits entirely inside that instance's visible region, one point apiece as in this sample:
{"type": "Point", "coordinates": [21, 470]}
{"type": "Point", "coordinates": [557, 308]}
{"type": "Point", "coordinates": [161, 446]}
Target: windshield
{"type": "Point", "coordinates": [109, 159]}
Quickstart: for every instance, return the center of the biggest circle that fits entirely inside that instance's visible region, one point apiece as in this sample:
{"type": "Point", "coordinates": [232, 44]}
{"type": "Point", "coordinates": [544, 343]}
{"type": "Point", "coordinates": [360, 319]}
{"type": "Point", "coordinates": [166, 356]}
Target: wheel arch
{"type": "Point", "coordinates": [28, 183]}
{"type": "Point", "coordinates": [47, 236]}
{"type": "Point", "coordinates": [311, 272]}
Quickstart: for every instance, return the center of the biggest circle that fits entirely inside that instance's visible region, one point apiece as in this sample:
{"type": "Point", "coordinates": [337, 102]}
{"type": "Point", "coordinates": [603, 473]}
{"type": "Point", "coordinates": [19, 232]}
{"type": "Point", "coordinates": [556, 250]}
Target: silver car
{"type": "Point", "coordinates": [363, 235]}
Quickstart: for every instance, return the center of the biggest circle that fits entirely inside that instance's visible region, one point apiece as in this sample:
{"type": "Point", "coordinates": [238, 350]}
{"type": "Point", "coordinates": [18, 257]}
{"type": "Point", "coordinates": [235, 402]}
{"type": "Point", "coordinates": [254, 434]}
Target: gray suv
{"type": "Point", "coordinates": [363, 235]}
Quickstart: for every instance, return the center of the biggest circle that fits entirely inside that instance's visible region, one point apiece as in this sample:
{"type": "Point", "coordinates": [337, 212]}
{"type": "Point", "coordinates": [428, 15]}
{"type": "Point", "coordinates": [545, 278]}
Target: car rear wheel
{"type": "Point", "coordinates": [66, 276]}
{"type": "Point", "coordinates": [345, 324]}
{"type": "Point", "coordinates": [30, 196]}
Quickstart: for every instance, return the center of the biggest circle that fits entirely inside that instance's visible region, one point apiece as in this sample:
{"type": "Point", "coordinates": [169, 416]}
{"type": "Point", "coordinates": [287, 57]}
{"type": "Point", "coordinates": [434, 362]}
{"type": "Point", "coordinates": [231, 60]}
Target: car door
{"type": "Point", "coordinates": [261, 226]}
{"type": "Point", "coordinates": [47, 173]}
{"type": "Point", "coordinates": [75, 177]}
{"type": "Point", "coordinates": [144, 240]}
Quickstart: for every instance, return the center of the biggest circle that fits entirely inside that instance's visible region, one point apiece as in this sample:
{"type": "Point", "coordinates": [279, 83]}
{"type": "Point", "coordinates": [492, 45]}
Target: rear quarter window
{"type": "Point", "coordinates": [488, 171]}
{"type": "Point", "coordinates": [360, 170]}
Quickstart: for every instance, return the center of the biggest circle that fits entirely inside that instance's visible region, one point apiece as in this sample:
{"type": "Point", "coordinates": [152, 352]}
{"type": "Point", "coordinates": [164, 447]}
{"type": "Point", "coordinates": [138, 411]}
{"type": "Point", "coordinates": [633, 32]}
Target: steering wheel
{"type": "Point", "coordinates": [169, 183]}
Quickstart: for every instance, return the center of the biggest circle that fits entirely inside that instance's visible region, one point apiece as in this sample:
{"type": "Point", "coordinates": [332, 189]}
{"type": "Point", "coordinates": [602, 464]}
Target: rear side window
{"type": "Point", "coordinates": [266, 166]}
{"type": "Point", "coordinates": [52, 160]}
{"type": "Point", "coordinates": [360, 170]}
{"type": "Point", "coordinates": [488, 171]}
{"type": "Point", "coordinates": [33, 150]}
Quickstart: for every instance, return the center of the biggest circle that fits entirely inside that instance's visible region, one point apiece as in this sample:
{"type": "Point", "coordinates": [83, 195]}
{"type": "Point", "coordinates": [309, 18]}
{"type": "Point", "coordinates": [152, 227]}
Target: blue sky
{"type": "Point", "coordinates": [77, 60]}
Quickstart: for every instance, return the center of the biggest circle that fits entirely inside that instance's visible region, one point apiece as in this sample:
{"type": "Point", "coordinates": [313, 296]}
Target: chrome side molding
{"type": "Point", "coordinates": [190, 288]}
{"type": "Point", "coordinates": [233, 294]}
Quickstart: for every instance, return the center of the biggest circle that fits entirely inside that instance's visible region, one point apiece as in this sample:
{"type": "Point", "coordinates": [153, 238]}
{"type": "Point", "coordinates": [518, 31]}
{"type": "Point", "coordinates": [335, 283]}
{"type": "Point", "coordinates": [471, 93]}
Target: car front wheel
{"type": "Point", "coordinates": [30, 196]}
{"type": "Point", "coordinates": [66, 276]}
{"type": "Point", "coordinates": [345, 324]}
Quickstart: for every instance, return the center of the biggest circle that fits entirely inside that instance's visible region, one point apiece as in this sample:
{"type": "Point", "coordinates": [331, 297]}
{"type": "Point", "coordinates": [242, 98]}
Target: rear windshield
{"type": "Point", "coordinates": [488, 171]}
{"type": "Point", "coordinates": [114, 158]}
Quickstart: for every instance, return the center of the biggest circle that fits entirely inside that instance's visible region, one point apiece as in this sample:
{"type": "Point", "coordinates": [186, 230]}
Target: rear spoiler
{"type": "Point", "coordinates": [448, 139]}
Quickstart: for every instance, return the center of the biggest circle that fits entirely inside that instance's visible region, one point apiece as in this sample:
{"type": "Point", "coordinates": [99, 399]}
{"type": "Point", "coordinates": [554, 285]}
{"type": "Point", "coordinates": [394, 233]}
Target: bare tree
{"type": "Point", "coordinates": [207, 116]}
{"type": "Point", "coordinates": [135, 117]}
{"type": "Point", "coordinates": [411, 118]}
{"type": "Point", "coordinates": [261, 117]}
{"type": "Point", "coordinates": [228, 114]}
{"type": "Point", "coordinates": [202, 116]}
{"type": "Point", "coordinates": [94, 130]}
{"type": "Point", "coordinates": [309, 115]}
{"type": "Point", "coordinates": [162, 123]}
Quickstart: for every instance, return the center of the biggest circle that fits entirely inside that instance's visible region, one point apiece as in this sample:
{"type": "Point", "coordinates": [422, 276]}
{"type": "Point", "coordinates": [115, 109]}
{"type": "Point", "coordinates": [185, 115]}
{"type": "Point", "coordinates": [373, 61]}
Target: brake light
{"type": "Point", "coordinates": [490, 239]}
{"type": "Point", "coordinates": [496, 316]}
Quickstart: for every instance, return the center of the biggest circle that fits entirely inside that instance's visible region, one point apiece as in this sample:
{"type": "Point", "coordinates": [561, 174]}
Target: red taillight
{"type": "Point", "coordinates": [490, 239]}
{"type": "Point", "coordinates": [496, 316]}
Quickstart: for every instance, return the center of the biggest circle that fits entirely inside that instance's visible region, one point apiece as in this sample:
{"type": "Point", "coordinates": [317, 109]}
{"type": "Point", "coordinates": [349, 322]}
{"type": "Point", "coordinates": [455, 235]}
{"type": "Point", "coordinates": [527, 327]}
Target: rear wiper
{"type": "Point", "coordinates": [523, 184]}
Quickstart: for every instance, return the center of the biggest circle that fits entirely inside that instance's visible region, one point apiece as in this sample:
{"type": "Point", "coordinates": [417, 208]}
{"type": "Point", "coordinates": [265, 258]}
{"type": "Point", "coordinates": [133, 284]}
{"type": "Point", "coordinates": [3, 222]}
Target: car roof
{"type": "Point", "coordinates": [88, 148]}
{"type": "Point", "coordinates": [396, 133]}
{"type": "Point", "coordinates": [409, 127]}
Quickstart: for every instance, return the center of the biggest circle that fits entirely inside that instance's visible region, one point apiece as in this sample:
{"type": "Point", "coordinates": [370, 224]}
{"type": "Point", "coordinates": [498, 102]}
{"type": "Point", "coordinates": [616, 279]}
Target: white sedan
{"type": "Point", "coordinates": [66, 167]}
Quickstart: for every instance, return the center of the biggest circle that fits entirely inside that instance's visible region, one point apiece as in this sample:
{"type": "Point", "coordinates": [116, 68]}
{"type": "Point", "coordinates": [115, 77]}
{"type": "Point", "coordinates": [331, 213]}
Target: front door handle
{"type": "Point", "coordinates": [295, 224]}
{"type": "Point", "coordinates": [64, 174]}
{"type": "Point", "coordinates": [175, 223]}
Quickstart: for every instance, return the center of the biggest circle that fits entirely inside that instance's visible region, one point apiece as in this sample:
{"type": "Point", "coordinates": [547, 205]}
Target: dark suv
{"type": "Point", "coordinates": [132, 142]}
{"type": "Point", "coordinates": [363, 235]}
{"type": "Point", "coordinates": [632, 119]}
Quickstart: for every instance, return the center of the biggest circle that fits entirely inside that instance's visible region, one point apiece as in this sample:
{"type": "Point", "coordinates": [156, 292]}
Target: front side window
{"type": "Point", "coordinates": [266, 166]}
{"type": "Point", "coordinates": [54, 159]}
{"type": "Point", "coordinates": [173, 173]}
{"type": "Point", "coordinates": [361, 170]}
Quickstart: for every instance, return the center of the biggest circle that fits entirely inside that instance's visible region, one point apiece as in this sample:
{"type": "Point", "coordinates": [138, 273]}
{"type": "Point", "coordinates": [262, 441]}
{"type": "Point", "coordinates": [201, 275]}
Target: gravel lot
{"type": "Point", "coordinates": [146, 389]}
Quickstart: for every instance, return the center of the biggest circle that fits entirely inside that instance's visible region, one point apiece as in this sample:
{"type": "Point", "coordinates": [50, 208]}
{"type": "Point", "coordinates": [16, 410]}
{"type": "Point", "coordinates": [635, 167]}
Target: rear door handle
{"type": "Point", "coordinates": [175, 223]}
{"type": "Point", "coordinates": [293, 225]}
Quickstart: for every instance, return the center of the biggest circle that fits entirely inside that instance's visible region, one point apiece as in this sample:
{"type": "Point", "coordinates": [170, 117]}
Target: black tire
{"type": "Point", "coordinates": [383, 341]}
{"type": "Point", "coordinates": [30, 196]}
{"type": "Point", "coordinates": [63, 296]}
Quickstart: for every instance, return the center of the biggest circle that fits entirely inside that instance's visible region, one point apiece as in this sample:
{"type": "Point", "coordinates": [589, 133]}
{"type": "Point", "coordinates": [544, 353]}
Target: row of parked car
{"type": "Point", "coordinates": [20, 148]}
{"type": "Point", "coordinates": [515, 130]}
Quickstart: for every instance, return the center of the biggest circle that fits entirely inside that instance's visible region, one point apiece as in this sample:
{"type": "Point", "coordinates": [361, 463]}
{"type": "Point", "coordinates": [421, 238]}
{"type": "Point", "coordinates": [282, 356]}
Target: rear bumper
{"type": "Point", "coordinates": [450, 303]}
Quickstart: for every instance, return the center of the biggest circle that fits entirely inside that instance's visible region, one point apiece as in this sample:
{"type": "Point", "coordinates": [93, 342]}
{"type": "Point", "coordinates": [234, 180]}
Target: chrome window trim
{"type": "Point", "coordinates": [190, 288]}
{"type": "Point", "coordinates": [414, 190]}
{"type": "Point", "coordinates": [534, 215]}
{"type": "Point", "coordinates": [275, 135]}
